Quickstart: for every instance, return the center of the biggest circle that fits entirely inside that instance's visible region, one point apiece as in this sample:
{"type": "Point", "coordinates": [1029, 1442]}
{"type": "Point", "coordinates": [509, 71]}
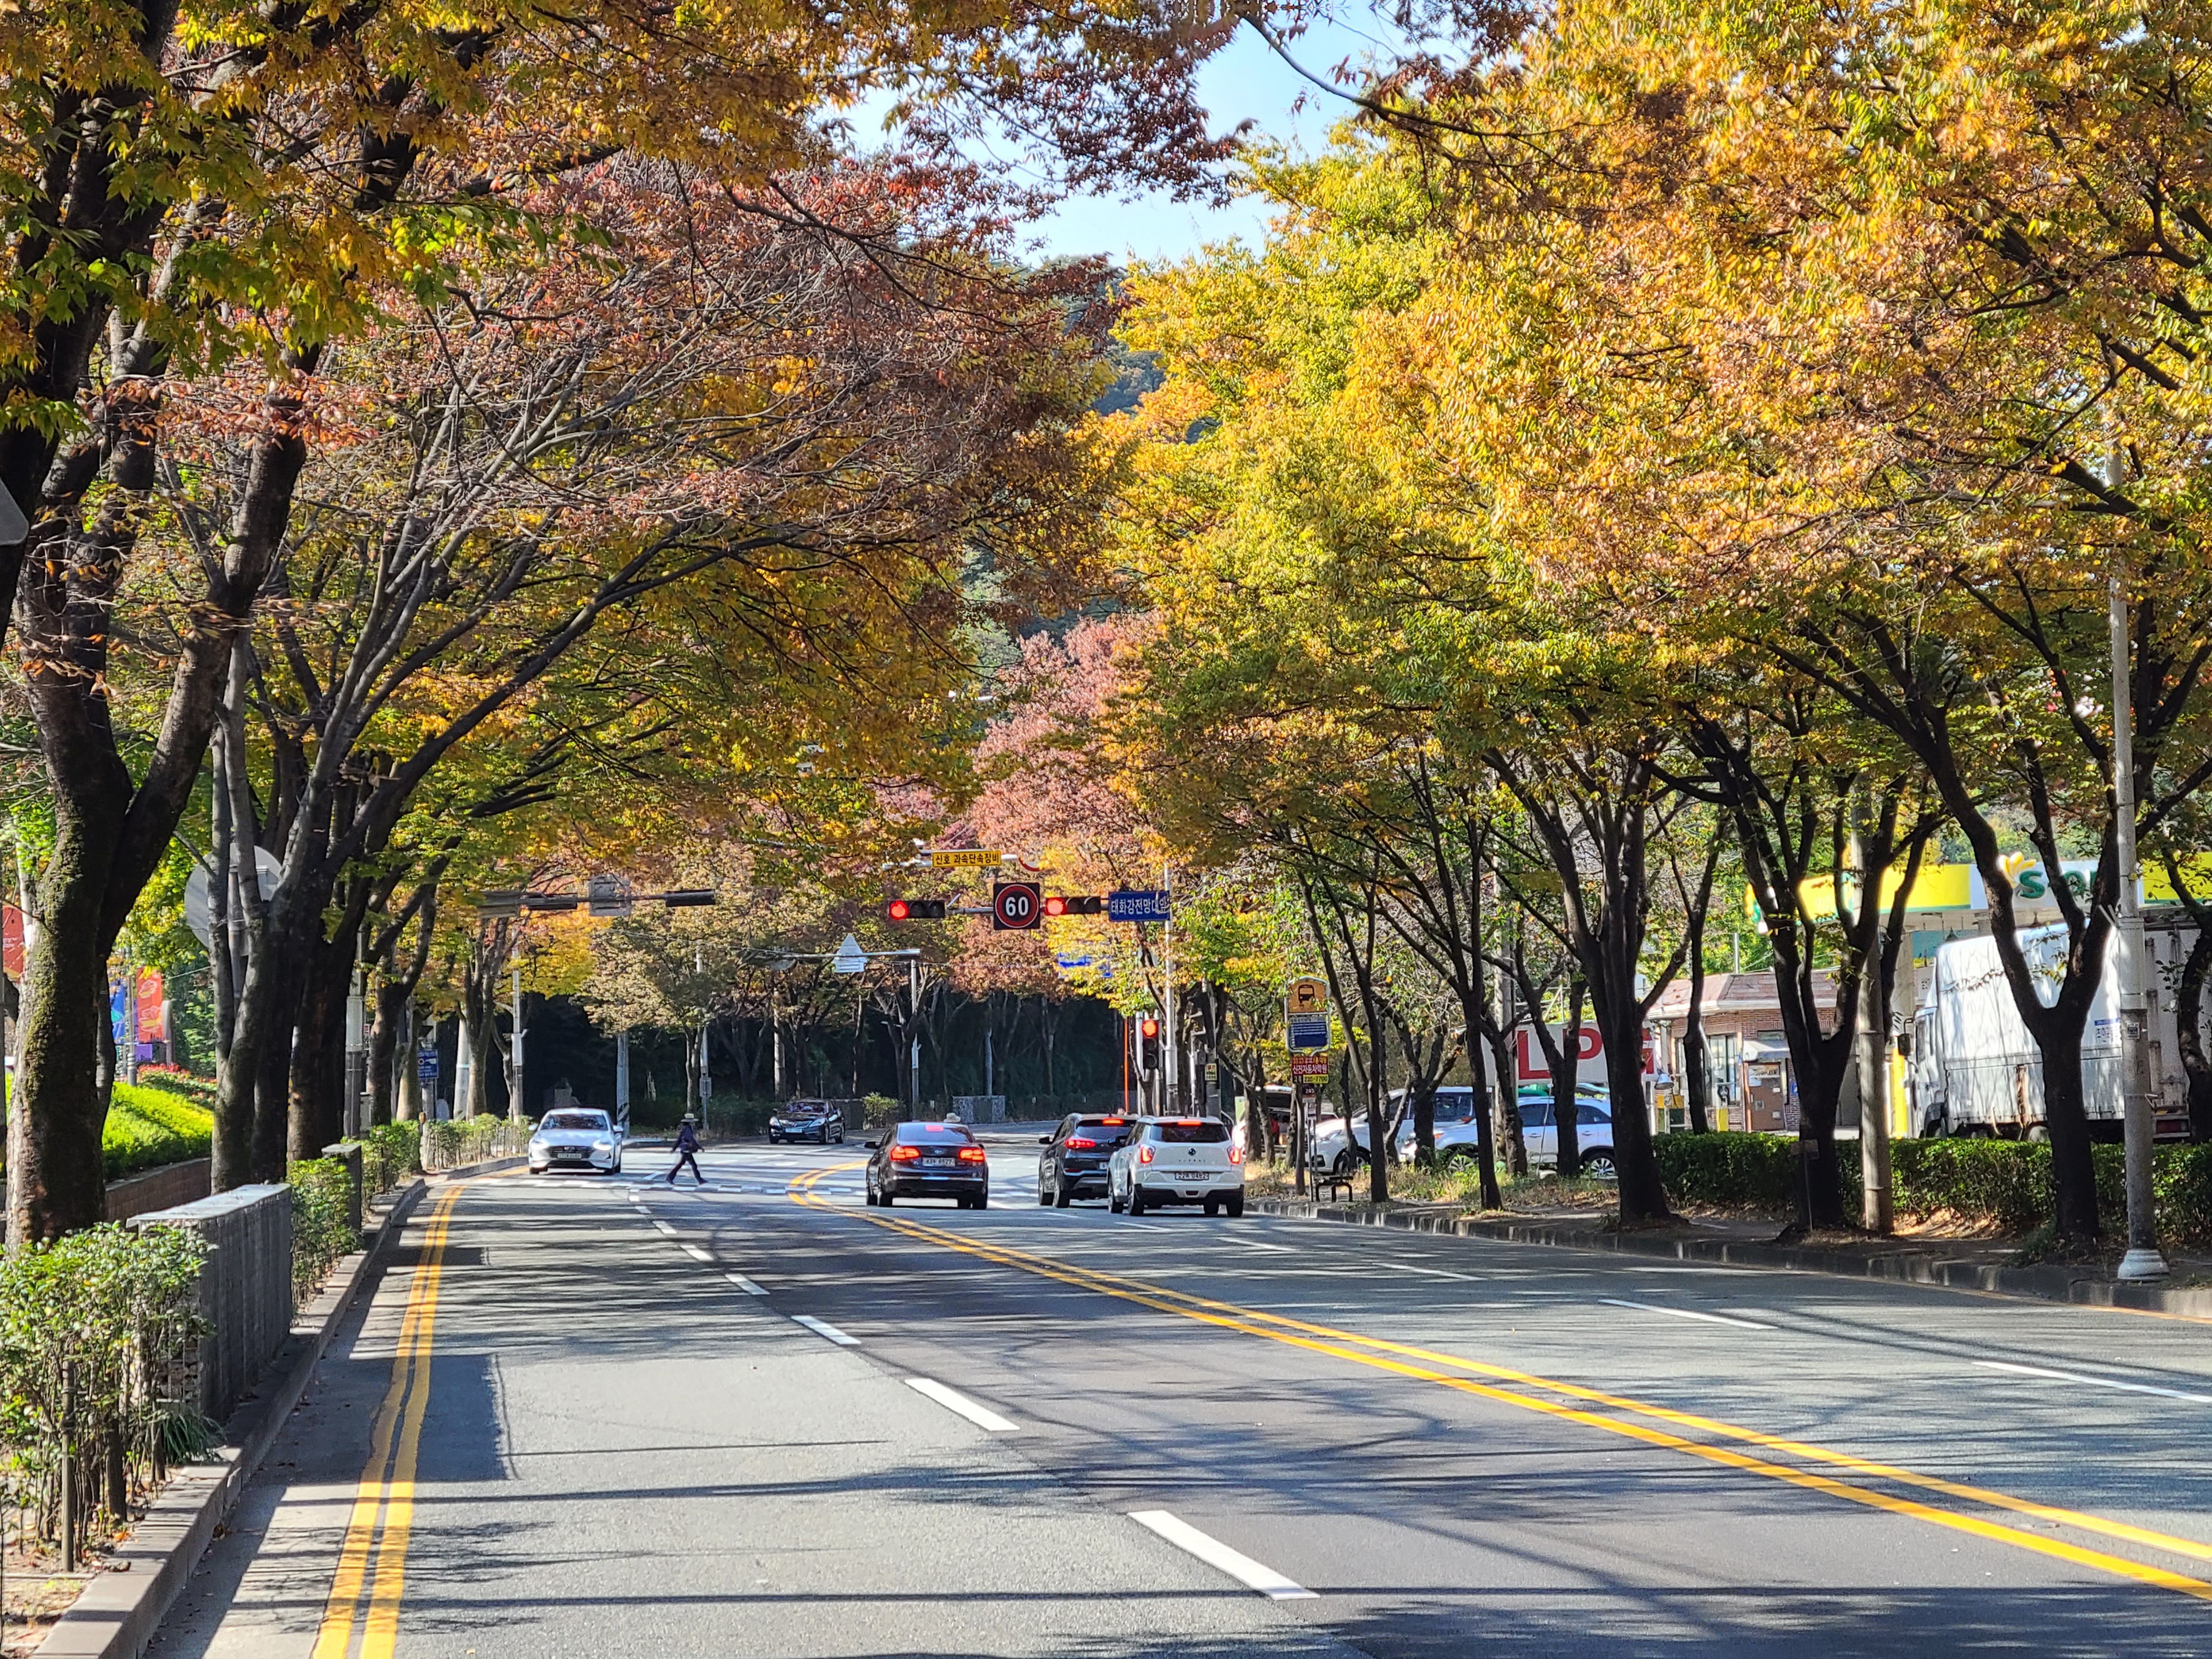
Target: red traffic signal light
{"type": "Point", "coordinates": [1150, 1027]}
{"type": "Point", "coordinates": [1075, 904]}
{"type": "Point", "coordinates": [1054, 905]}
{"type": "Point", "coordinates": [914, 909]}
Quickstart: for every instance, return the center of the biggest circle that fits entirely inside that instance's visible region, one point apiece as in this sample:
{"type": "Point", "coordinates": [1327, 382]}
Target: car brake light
{"type": "Point", "coordinates": [1144, 1154]}
{"type": "Point", "coordinates": [971, 1154]}
{"type": "Point", "coordinates": [1075, 1141]}
{"type": "Point", "coordinates": [905, 1154]}
{"type": "Point", "coordinates": [1112, 1122]}
{"type": "Point", "coordinates": [1236, 1153]}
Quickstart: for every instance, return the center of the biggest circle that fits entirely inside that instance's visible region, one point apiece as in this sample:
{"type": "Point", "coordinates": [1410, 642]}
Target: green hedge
{"type": "Point", "coordinates": [732, 1115]}
{"type": "Point", "coordinates": [322, 1224]}
{"type": "Point", "coordinates": [117, 1307]}
{"type": "Point", "coordinates": [173, 1079]}
{"type": "Point", "coordinates": [147, 1127]}
{"type": "Point", "coordinates": [390, 1153]}
{"type": "Point", "coordinates": [2006, 1183]}
{"type": "Point", "coordinates": [1728, 1167]}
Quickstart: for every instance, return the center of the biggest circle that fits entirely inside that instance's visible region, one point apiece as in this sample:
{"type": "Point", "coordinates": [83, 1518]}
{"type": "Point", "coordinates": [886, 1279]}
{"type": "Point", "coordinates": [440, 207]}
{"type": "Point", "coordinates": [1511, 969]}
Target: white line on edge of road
{"type": "Point", "coordinates": [823, 1328]}
{"type": "Point", "coordinates": [698, 1254]}
{"type": "Point", "coordinates": [1215, 1553]}
{"type": "Point", "coordinates": [664, 1228]}
{"type": "Point", "coordinates": [2095, 1382]}
{"type": "Point", "coordinates": [953, 1400]}
{"type": "Point", "coordinates": [744, 1284]}
{"type": "Point", "coordinates": [1433, 1272]}
{"type": "Point", "coordinates": [1685, 1313]}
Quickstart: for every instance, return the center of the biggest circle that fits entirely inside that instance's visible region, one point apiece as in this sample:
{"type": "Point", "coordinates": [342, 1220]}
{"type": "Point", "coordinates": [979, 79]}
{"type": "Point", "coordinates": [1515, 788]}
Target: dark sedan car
{"type": "Point", "coordinates": [817, 1121]}
{"type": "Point", "coordinates": [929, 1160]}
{"type": "Point", "coordinates": [1073, 1163]}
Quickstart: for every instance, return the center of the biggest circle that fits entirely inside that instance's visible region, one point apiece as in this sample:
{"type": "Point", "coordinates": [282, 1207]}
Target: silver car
{"type": "Point", "coordinates": [576, 1138]}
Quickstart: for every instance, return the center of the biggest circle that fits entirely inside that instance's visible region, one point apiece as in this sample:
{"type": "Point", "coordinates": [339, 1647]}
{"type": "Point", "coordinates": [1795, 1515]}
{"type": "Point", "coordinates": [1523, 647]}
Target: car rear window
{"type": "Point", "coordinates": [936, 1132]}
{"type": "Point", "coordinates": [1190, 1134]}
{"type": "Point", "coordinates": [1111, 1130]}
{"type": "Point", "coordinates": [575, 1121]}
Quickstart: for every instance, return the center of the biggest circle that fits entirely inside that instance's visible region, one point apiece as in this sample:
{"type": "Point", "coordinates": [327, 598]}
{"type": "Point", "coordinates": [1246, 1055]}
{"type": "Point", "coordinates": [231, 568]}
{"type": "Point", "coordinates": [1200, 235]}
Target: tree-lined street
{"type": "Point", "coordinates": [1457, 1446]}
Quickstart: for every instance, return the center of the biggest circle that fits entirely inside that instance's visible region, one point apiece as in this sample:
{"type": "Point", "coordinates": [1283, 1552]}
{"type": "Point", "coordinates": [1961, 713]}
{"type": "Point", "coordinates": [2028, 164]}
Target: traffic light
{"type": "Point", "coordinates": [914, 909]}
{"type": "Point", "coordinates": [1074, 905]}
{"type": "Point", "coordinates": [1148, 1042]}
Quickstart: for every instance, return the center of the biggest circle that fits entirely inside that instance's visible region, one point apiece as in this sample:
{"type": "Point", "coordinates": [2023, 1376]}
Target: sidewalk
{"type": "Point", "coordinates": [1964, 1264]}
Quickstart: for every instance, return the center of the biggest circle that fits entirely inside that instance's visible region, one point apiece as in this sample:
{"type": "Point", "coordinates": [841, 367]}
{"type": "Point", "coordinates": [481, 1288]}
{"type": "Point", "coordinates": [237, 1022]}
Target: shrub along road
{"type": "Point", "coordinates": [597, 1436]}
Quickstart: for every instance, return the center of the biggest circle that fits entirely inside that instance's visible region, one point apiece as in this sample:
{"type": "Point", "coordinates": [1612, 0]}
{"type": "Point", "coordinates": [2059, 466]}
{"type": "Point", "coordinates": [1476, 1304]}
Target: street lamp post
{"type": "Point", "coordinates": [2143, 1261]}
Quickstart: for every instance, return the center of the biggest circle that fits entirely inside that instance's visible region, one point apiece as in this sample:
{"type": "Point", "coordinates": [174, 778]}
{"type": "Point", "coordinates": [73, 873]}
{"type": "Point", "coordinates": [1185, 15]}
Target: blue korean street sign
{"type": "Point", "coordinates": [1137, 904]}
{"type": "Point", "coordinates": [425, 1065]}
{"type": "Point", "coordinates": [1306, 1034]}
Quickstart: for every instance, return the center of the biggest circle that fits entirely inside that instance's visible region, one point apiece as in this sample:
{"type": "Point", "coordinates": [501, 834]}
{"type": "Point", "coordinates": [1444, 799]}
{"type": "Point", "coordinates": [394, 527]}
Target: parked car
{"type": "Point", "coordinates": [807, 1120]}
{"type": "Point", "coordinates": [576, 1138]}
{"type": "Point", "coordinates": [1177, 1160]}
{"type": "Point", "coordinates": [1339, 1148]}
{"type": "Point", "coordinates": [1594, 1126]}
{"type": "Point", "coordinates": [929, 1160]}
{"type": "Point", "coordinates": [1073, 1163]}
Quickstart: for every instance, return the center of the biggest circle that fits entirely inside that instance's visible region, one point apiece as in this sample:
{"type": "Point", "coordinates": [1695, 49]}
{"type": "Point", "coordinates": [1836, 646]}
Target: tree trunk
{"type": "Point", "coordinates": [2188, 1021]}
{"type": "Point", "coordinates": [1697, 1067]}
{"type": "Point", "coordinates": [315, 1115]}
{"type": "Point", "coordinates": [385, 1032]}
{"type": "Point", "coordinates": [2074, 1176]}
{"type": "Point", "coordinates": [1566, 1064]}
{"type": "Point", "coordinates": [57, 1181]}
{"type": "Point", "coordinates": [1513, 1140]}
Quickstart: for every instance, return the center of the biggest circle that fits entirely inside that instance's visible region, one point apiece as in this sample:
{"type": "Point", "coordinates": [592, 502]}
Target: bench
{"type": "Point", "coordinates": [1327, 1181]}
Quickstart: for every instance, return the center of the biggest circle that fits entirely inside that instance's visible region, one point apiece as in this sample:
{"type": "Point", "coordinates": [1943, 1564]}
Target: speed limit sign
{"type": "Point", "coordinates": [1016, 904]}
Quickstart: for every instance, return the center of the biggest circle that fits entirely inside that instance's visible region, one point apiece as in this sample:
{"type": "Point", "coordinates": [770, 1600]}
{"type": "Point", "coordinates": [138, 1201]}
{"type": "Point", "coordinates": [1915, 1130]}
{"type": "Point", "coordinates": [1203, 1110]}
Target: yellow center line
{"type": "Point", "coordinates": [405, 1402]}
{"type": "Point", "coordinates": [1393, 1357]}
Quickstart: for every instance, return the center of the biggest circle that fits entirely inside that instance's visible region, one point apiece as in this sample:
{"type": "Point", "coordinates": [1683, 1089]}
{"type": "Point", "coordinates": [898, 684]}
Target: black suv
{"type": "Point", "coordinates": [1073, 1163]}
{"type": "Point", "coordinates": [808, 1119]}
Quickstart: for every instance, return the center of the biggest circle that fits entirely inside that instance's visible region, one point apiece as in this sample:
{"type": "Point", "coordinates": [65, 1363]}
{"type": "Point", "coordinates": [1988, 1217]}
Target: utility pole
{"type": "Point", "coordinates": [464, 1069]}
{"type": "Point", "coordinates": [514, 1096]}
{"type": "Point", "coordinates": [622, 1075]}
{"type": "Point", "coordinates": [2143, 1261]}
{"type": "Point", "coordinates": [1171, 1080]}
{"type": "Point", "coordinates": [1870, 1053]}
{"type": "Point", "coordinates": [356, 1046]}
{"type": "Point", "coordinates": [913, 1054]}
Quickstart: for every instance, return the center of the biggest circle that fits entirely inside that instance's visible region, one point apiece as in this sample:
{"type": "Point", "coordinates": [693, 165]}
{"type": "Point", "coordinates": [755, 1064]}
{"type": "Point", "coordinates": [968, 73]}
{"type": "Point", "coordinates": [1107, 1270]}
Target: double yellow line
{"type": "Point", "coordinates": [387, 1492]}
{"type": "Point", "coordinates": [1631, 1419]}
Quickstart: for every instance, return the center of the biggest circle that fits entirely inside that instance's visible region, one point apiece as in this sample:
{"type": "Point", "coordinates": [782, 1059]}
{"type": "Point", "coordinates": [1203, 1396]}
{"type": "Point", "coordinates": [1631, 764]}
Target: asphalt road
{"type": "Point", "coordinates": [594, 1416]}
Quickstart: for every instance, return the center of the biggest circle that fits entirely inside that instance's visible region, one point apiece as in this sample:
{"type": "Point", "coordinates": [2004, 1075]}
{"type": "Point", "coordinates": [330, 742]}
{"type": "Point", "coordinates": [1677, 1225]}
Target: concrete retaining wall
{"type": "Point", "coordinates": [164, 1188]}
{"type": "Point", "coordinates": [246, 1286]}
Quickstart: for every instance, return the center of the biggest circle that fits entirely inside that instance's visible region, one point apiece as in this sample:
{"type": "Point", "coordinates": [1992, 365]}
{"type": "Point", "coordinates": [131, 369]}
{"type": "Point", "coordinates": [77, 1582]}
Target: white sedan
{"type": "Point", "coordinates": [1177, 1160]}
{"type": "Point", "coordinates": [576, 1138]}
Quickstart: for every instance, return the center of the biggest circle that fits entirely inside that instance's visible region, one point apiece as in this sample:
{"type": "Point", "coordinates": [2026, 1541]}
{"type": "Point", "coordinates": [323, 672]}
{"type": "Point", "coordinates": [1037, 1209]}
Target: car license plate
{"type": "Point", "coordinates": [937, 1163]}
{"type": "Point", "coordinates": [1201, 1175]}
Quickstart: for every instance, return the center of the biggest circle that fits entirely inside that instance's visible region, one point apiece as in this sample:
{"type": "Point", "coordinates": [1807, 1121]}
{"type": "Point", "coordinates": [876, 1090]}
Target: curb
{"type": "Point", "coordinates": [2076, 1286]}
{"type": "Point", "coordinates": [489, 1166]}
{"type": "Point", "coordinates": [120, 1609]}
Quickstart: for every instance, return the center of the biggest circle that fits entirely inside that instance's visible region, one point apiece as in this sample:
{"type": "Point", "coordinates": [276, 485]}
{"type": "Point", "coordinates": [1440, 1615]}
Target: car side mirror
{"type": "Point", "coordinates": [1044, 1140]}
{"type": "Point", "coordinates": [874, 1144]}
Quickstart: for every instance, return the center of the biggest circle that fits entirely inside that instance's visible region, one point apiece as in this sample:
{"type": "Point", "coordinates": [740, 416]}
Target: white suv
{"type": "Point", "coordinates": [1177, 1160]}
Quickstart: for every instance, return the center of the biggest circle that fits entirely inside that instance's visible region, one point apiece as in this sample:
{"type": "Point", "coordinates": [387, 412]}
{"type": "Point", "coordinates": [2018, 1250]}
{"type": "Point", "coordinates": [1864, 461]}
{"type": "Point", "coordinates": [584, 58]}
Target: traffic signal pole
{"type": "Point", "coordinates": [1170, 1078]}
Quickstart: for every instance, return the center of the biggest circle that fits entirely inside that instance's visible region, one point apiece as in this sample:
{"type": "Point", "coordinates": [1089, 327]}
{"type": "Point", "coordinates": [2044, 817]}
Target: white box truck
{"type": "Point", "coordinates": [1976, 1070]}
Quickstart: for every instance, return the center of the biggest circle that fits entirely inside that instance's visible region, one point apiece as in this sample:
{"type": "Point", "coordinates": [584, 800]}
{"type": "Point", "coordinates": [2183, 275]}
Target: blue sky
{"type": "Point", "coordinates": [1245, 82]}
